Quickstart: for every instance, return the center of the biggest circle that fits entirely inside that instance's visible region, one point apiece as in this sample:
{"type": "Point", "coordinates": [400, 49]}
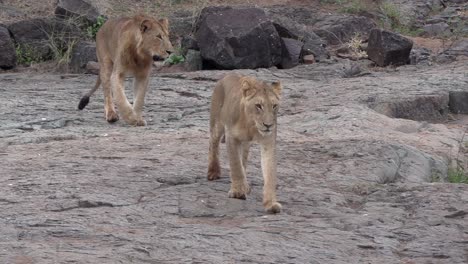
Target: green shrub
{"type": "Point", "coordinates": [94, 28]}
{"type": "Point", "coordinates": [26, 55]}
{"type": "Point", "coordinates": [457, 175]}
{"type": "Point", "coordinates": [174, 59]}
{"type": "Point", "coordinates": [355, 7]}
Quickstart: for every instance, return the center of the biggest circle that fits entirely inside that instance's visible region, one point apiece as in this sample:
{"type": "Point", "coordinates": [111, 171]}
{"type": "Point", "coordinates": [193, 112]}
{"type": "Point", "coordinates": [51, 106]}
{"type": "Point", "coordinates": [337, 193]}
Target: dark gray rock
{"type": "Point", "coordinates": [297, 23]}
{"type": "Point", "coordinates": [7, 50]}
{"type": "Point", "coordinates": [291, 54]}
{"type": "Point", "coordinates": [188, 42]}
{"type": "Point", "coordinates": [235, 38]}
{"type": "Point", "coordinates": [458, 50]}
{"type": "Point", "coordinates": [39, 35]}
{"type": "Point", "coordinates": [83, 52]}
{"type": "Point", "coordinates": [432, 108]}
{"type": "Point", "coordinates": [338, 29]}
{"type": "Point", "coordinates": [436, 29]}
{"type": "Point", "coordinates": [419, 56]}
{"type": "Point", "coordinates": [77, 8]}
{"type": "Point", "coordinates": [313, 44]}
{"type": "Point", "coordinates": [387, 48]}
{"type": "Point", "coordinates": [458, 102]}
{"type": "Point", "coordinates": [193, 60]}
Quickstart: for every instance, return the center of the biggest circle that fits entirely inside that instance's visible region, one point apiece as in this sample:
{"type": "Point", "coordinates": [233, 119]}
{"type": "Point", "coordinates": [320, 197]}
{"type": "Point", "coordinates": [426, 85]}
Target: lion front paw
{"type": "Point", "coordinates": [112, 116]}
{"type": "Point", "coordinates": [239, 193]}
{"type": "Point", "coordinates": [273, 207]}
{"type": "Point", "coordinates": [214, 172]}
{"type": "Point", "coordinates": [140, 122]}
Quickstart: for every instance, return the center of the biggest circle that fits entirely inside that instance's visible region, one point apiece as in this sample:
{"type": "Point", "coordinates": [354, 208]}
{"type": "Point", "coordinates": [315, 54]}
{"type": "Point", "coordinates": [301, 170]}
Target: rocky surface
{"type": "Point", "coordinates": [356, 185]}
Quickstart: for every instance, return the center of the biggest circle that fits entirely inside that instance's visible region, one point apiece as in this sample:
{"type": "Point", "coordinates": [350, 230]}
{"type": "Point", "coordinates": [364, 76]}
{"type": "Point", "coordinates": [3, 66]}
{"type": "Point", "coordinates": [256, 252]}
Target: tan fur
{"type": "Point", "coordinates": [126, 47]}
{"type": "Point", "coordinates": [244, 110]}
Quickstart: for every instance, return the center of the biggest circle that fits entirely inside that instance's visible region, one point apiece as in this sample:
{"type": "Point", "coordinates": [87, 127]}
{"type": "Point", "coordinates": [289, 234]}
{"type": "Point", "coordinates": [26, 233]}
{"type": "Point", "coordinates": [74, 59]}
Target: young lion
{"type": "Point", "coordinates": [127, 47]}
{"type": "Point", "coordinates": [244, 109]}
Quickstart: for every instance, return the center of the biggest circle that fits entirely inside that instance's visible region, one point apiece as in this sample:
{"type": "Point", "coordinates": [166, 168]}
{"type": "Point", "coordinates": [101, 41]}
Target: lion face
{"type": "Point", "coordinates": [261, 103]}
{"type": "Point", "coordinates": [155, 38]}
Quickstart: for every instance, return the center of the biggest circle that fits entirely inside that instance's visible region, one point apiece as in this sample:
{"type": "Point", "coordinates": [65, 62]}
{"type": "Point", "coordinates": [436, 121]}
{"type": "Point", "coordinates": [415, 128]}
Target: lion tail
{"type": "Point", "coordinates": [85, 99]}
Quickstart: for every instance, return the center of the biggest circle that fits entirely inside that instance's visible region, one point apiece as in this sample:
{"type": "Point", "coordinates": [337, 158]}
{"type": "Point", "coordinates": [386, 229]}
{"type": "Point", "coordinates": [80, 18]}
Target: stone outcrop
{"type": "Point", "coordinates": [39, 36]}
{"type": "Point", "coordinates": [7, 50]}
{"type": "Point", "coordinates": [388, 48]}
{"type": "Point", "coordinates": [237, 38]}
{"type": "Point", "coordinates": [77, 9]}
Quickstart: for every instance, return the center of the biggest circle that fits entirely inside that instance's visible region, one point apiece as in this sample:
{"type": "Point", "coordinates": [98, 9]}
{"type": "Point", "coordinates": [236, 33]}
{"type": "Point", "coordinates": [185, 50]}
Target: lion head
{"type": "Point", "coordinates": [155, 38]}
{"type": "Point", "coordinates": [261, 103]}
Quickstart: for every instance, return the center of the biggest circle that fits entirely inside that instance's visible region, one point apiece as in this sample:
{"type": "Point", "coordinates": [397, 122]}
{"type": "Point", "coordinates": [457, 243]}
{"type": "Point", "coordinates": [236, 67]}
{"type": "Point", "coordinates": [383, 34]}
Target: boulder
{"type": "Point", "coordinates": [193, 60]}
{"type": "Point", "coordinates": [37, 36]}
{"type": "Point", "coordinates": [420, 56]}
{"type": "Point", "coordinates": [387, 48]}
{"type": "Point", "coordinates": [291, 54]}
{"type": "Point", "coordinates": [77, 9]}
{"type": "Point", "coordinates": [83, 52]}
{"type": "Point", "coordinates": [338, 29]}
{"type": "Point", "coordinates": [7, 50]}
{"type": "Point", "coordinates": [458, 102]}
{"type": "Point", "coordinates": [436, 29]}
{"type": "Point", "coordinates": [92, 67]}
{"type": "Point", "coordinates": [297, 23]}
{"type": "Point", "coordinates": [308, 59]}
{"type": "Point", "coordinates": [237, 38]}
{"type": "Point", "coordinates": [188, 42]}
{"type": "Point", "coordinates": [312, 43]}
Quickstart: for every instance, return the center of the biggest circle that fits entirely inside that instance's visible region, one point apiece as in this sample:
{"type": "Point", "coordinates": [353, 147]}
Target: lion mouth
{"type": "Point", "coordinates": [157, 58]}
{"type": "Point", "coordinates": [265, 131]}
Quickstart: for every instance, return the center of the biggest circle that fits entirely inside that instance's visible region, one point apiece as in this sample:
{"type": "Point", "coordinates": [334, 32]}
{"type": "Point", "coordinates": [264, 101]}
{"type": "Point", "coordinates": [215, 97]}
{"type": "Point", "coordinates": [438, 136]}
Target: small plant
{"type": "Point", "coordinates": [94, 28]}
{"type": "Point", "coordinates": [457, 175]}
{"type": "Point", "coordinates": [392, 18]}
{"type": "Point", "coordinates": [355, 45]}
{"type": "Point", "coordinates": [26, 55]}
{"type": "Point", "coordinates": [61, 53]}
{"type": "Point", "coordinates": [174, 59]}
{"type": "Point", "coordinates": [355, 7]}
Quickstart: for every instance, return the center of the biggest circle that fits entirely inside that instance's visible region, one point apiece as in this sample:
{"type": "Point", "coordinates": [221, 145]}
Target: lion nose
{"type": "Point", "coordinates": [268, 125]}
{"type": "Point", "coordinates": [157, 58]}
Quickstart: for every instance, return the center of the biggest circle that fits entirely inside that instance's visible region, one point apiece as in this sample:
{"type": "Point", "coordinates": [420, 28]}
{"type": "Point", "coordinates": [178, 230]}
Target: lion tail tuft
{"type": "Point", "coordinates": [83, 102]}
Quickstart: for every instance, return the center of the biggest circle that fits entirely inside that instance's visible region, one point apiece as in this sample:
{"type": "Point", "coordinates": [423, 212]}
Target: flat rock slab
{"type": "Point", "coordinates": [355, 184]}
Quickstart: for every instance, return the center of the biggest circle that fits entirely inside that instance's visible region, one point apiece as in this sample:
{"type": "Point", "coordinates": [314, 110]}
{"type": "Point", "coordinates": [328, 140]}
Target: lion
{"type": "Point", "coordinates": [127, 47]}
{"type": "Point", "coordinates": [244, 110]}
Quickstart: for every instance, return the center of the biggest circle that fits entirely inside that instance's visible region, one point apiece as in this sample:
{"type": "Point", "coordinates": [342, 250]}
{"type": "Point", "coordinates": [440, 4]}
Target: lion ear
{"type": "Point", "coordinates": [145, 25]}
{"type": "Point", "coordinates": [247, 88]}
{"type": "Point", "coordinates": [276, 88]}
{"type": "Point", "coordinates": [164, 22]}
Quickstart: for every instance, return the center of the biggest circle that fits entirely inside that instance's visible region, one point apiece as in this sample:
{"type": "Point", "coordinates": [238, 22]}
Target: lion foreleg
{"type": "Point", "coordinates": [269, 176]}
{"type": "Point", "coordinates": [239, 186]}
{"type": "Point", "coordinates": [140, 87]}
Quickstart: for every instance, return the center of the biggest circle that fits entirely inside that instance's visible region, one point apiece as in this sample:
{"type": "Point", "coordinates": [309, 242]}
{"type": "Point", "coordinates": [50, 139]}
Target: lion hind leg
{"type": "Point", "coordinates": [214, 169]}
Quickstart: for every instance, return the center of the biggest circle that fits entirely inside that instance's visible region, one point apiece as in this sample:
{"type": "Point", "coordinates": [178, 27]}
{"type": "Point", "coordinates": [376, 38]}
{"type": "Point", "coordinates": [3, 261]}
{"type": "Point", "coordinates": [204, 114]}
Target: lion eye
{"type": "Point", "coordinates": [275, 106]}
{"type": "Point", "coordinates": [259, 106]}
